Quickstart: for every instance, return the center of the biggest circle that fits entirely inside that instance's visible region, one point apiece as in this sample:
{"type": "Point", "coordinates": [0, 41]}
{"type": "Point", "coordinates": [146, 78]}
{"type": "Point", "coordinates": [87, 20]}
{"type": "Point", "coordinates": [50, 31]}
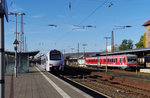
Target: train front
{"type": "Point", "coordinates": [56, 60]}
{"type": "Point", "coordinates": [132, 61]}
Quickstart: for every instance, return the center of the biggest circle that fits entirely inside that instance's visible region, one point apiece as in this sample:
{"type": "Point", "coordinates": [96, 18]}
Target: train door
{"type": "Point", "coordinates": [123, 61]}
{"type": "Point", "coordinates": [47, 63]}
{"type": "Point", "coordinates": [120, 60]}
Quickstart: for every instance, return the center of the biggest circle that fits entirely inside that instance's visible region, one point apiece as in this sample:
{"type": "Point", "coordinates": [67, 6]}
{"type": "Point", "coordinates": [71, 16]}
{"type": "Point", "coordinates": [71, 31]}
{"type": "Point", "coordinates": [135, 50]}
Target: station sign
{"type": "Point", "coordinates": [16, 42]}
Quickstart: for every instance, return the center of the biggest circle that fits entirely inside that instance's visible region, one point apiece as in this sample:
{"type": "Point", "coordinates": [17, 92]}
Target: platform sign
{"type": "Point", "coordinates": [16, 42]}
{"type": "Point", "coordinates": [4, 8]}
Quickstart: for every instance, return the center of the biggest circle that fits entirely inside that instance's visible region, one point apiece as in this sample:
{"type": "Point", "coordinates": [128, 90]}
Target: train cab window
{"type": "Point", "coordinates": [55, 55]}
{"type": "Point", "coordinates": [120, 60]}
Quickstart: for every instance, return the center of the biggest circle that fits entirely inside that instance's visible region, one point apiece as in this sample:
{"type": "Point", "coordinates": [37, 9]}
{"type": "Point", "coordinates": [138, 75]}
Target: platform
{"type": "Point", "coordinates": [145, 70]}
{"type": "Point", "coordinates": [39, 84]}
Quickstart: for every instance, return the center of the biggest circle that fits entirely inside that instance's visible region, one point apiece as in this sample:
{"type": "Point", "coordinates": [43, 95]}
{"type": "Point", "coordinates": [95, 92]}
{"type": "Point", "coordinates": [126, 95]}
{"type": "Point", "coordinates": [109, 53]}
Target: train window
{"type": "Point", "coordinates": [46, 58]}
{"type": "Point", "coordinates": [104, 60]}
{"type": "Point", "coordinates": [55, 55]}
{"type": "Point", "coordinates": [132, 59]}
{"type": "Point", "coordinates": [116, 60]}
{"type": "Point", "coordinates": [123, 60]}
{"type": "Point", "coordinates": [120, 60]}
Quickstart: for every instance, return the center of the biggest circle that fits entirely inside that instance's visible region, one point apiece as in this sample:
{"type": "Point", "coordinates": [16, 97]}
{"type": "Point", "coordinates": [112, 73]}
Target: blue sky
{"type": "Point", "coordinates": [40, 13]}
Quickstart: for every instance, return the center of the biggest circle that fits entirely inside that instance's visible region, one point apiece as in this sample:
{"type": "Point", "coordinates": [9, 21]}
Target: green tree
{"type": "Point", "coordinates": [126, 44]}
{"type": "Point", "coordinates": [141, 43]}
{"type": "Point", "coordinates": [130, 44]}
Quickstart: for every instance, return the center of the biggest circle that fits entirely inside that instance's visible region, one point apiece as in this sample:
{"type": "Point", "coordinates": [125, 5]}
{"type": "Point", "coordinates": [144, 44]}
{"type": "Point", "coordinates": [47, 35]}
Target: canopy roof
{"type": "Point", "coordinates": [30, 53]}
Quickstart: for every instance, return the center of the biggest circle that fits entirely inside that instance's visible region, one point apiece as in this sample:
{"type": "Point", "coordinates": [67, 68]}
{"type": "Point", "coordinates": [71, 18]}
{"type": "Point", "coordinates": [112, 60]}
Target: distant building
{"type": "Point", "coordinates": [116, 48]}
{"type": "Point", "coordinates": [147, 39]}
{"type": "Point", "coordinates": [109, 48]}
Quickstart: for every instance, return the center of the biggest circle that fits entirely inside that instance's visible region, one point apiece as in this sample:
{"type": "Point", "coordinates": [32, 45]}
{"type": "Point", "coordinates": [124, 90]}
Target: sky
{"type": "Point", "coordinates": [67, 34]}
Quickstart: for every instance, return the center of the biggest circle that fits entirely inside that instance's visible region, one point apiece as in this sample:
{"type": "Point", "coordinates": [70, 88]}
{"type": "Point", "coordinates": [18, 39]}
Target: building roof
{"type": "Point", "coordinates": [146, 23]}
{"type": "Point", "coordinates": [132, 51]}
{"type": "Point", "coordinates": [31, 53]}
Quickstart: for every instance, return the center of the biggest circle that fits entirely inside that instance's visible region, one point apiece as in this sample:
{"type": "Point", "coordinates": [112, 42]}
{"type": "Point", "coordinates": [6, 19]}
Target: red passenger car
{"type": "Point", "coordinates": [121, 61]}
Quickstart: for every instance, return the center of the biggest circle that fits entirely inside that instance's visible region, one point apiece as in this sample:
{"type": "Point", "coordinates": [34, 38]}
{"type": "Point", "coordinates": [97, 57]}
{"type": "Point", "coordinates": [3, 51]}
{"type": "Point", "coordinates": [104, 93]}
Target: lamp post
{"type": "Point", "coordinates": [15, 43]}
{"type": "Point", "coordinates": [84, 49]}
{"type": "Point", "coordinates": [106, 51]}
{"type": "Point", "coordinates": [112, 34]}
{"type": "Point", "coordinates": [21, 33]}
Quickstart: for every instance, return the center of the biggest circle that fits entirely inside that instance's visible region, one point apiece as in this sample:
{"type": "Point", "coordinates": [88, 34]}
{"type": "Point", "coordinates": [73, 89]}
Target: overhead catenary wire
{"type": "Point", "coordinates": [93, 12]}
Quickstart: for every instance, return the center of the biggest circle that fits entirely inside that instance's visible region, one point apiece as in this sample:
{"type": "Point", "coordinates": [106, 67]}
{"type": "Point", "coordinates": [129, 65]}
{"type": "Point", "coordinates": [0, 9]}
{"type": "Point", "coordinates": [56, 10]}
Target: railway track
{"type": "Point", "coordinates": [107, 86]}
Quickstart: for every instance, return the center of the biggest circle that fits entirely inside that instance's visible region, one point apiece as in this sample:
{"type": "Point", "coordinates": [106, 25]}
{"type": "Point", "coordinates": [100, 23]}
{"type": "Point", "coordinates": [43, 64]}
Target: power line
{"type": "Point", "coordinates": [93, 12]}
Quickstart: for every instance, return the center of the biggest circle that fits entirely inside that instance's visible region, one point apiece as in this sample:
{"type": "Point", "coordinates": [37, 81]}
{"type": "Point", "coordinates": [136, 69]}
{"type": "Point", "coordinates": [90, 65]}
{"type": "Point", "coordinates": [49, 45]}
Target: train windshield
{"type": "Point", "coordinates": [132, 59]}
{"type": "Point", "coordinates": [55, 55]}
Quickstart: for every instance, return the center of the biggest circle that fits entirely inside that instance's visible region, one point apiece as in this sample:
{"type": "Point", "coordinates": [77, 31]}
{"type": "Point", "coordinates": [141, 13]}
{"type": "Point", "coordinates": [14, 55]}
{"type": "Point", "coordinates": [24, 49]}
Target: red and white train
{"type": "Point", "coordinates": [120, 61]}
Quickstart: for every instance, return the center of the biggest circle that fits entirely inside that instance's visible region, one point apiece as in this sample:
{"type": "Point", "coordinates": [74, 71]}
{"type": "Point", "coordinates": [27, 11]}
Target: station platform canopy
{"type": "Point", "coordinates": [23, 61]}
{"type": "Point", "coordinates": [139, 52]}
{"type": "Point", "coordinates": [31, 53]}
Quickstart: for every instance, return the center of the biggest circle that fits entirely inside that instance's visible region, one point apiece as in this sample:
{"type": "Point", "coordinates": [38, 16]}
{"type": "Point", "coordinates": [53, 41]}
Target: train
{"type": "Point", "coordinates": [126, 61]}
{"type": "Point", "coordinates": [53, 61]}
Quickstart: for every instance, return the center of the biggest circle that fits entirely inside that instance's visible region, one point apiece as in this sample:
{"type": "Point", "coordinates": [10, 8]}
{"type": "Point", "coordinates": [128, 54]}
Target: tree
{"type": "Point", "coordinates": [141, 43]}
{"type": "Point", "coordinates": [126, 44]}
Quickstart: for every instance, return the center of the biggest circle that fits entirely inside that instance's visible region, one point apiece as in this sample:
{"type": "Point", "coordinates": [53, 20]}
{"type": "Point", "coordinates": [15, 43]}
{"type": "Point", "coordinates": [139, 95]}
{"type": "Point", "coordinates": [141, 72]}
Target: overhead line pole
{"type": "Point", "coordinates": [112, 35]}
{"type": "Point", "coordinates": [106, 52]}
